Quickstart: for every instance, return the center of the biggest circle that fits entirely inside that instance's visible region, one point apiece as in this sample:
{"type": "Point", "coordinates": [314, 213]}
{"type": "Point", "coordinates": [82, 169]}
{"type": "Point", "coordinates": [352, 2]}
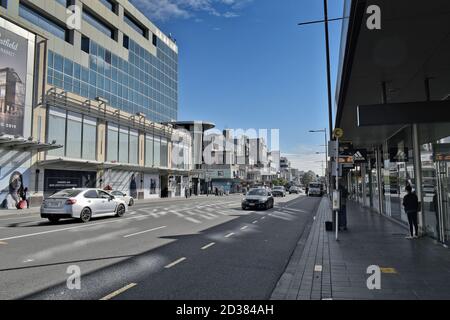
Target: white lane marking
{"type": "Point", "coordinates": [175, 263]}
{"type": "Point", "coordinates": [254, 222]}
{"type": "Point", "coordinates": [177, 213]}
{"type": "Point", "coordinates": [192, 220]}
{"type": "Point", "coordinates": [263, 218]}
{"type": "Point", "coordinates": [145, 231]}
{"type": "Point", "coordinates": [205, 217]}
{"type": "Point", "coordinates": [243, 228]}
{"type": "Point", "coordinates": [117, 292]}
{"type": "Point", "coordinates": [229, 235]}
{"type": "Point", "coordinates": [318, 268]}
{"type": "Point", "coordinates": [83, 226]}
{"type": "Point", "coordinates": [208, 246]}
{"type": "Point", "coordinates": [28, 260]}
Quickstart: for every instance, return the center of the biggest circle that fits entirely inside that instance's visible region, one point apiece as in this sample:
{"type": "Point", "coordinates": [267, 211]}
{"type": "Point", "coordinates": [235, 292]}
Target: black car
{"type": "Point", "coordinates": [258, 199]}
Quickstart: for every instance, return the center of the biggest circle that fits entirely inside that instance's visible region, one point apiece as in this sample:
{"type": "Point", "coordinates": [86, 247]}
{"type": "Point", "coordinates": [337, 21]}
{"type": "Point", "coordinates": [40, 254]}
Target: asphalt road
{"type": "Point", "coordinates": [199, 248]}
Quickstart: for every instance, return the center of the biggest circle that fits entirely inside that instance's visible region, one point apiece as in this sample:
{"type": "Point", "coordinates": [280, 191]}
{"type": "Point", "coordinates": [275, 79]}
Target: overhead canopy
{"type": "Point", "coordinates": [413, 45]}
{"type": "Point", "coordinates": [22, 144]}
{"type": "Point", "coordinates": [80, 164]}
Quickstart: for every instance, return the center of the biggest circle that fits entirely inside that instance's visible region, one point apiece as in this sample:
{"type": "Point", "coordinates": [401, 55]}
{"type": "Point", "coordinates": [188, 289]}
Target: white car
{"type": "Point", "coordinates": [128, 199]}
{"type": "Point", "coordinates": [82, 204]}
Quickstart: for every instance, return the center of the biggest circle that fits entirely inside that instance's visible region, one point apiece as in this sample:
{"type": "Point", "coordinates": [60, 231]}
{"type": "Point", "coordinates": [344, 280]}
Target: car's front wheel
{"type": "Point", "coordinates": [120, 210]}
{"type": "Point", "coordinates": [86, 215]}
{"type": "Point", "coordinates": [244, 208]}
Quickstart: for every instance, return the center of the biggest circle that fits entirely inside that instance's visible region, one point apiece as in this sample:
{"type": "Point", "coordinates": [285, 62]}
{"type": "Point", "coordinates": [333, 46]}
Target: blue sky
{"type": "Point", "coordinates": [246, 64]}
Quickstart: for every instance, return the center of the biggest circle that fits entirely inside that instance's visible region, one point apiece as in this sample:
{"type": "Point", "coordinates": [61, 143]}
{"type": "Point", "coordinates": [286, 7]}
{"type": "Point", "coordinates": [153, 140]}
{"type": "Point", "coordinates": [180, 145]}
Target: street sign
{"type": "Point", "coordinates": [333, 149]}
{"type": "Point", "coordinates": [338, 133]}
{"type": "Point", "coordinates": [441, 152]}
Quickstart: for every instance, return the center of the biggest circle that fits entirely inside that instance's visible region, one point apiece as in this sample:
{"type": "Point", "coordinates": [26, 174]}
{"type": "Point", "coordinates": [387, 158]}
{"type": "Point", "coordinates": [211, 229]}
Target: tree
{"type": "Point", "coordinates": [308, 177]}
{"type": "Point", "coordinates": [279, 182]}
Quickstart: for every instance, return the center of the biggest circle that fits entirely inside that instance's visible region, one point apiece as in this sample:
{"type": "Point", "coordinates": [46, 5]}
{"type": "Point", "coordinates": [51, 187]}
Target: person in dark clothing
{"type": "Point", "coordinates": [411, 205]}
{"type": "Point", "coordinates": [343, 211]}
{"type": "Point", "coordinates": [436, 212]}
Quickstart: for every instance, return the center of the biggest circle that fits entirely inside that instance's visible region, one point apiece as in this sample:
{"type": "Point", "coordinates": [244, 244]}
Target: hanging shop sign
{"type": "Point", "coordinates": [398, 155]}
{"type": "Point", "coordinates": [441, 152]}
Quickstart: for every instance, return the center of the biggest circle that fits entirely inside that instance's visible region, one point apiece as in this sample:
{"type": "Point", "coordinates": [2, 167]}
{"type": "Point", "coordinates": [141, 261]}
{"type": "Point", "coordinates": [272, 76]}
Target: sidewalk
{"type": "Point", "coordinates": [321, 268]}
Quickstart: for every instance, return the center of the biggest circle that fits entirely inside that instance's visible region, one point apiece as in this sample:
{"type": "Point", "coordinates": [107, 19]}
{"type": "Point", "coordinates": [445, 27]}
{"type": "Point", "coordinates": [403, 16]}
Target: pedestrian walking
{"type": "Point", "coordinates": [343, 210]}
{"type": "Point", "coordinates": [26, 194]}
{"type": "Point", "coordinates": [411, 205]}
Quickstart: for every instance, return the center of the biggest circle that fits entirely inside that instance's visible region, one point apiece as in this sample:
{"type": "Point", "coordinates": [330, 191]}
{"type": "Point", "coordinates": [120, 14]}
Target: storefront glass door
{"type": "Point", "coordinates": [443, 200]}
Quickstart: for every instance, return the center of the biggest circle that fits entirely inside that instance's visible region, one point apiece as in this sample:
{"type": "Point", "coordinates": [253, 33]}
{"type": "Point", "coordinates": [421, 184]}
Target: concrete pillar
{"type": "Point", "coordinates": [418, 173]}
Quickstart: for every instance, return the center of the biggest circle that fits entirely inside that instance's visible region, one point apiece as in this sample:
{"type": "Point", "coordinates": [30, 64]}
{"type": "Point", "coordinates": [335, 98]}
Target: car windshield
{"type": "Point", "coordinates": [314, 185]}
{"type": "Point", "coordinates": [277, 188]}
{"type": "Point", "coordinates": [68, 193]}
{"type": "Point", "coordinates": [117, 193]}
{"type": "Point", "coordinates": [257, 192]}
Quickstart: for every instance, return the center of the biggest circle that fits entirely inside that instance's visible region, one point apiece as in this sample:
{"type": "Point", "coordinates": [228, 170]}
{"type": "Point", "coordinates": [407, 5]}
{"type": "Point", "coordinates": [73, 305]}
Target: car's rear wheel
{"type": "Point", "coordinates": [131, 202]}
{"type": "Point", "coordinates": [120, 210]}
{"type": "Point", "coordinates": [53, 219]}
{"type": "Point", "coordinates": [86, 215]}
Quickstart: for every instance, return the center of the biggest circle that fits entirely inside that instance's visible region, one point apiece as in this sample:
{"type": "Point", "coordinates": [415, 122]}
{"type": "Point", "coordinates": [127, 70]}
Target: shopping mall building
{"type": "Point", "coordinates": [393, 102]}
{"type": "Point", "coordinates": [88, 104]}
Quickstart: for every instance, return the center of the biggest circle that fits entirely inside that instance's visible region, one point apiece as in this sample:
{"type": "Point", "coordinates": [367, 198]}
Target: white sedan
{"type": "Point", "coordinates": [120, 195]}
{"type": "Point", "coordinates": [82, 204]}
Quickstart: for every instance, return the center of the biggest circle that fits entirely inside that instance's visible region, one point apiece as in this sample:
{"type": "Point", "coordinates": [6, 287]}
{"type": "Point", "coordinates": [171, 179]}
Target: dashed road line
{"type": "Point", "coordinates": [208, 246]}
{"type": "Point", "coordinates": [170, 265]}
{"type": "Point", "coordinates": [117, 292]}
{"type": "Point", "coordinates": [244, 228]}
{"type": "Point", "coordinates": [145, 231]}
{"type": "Point", "coordinates": [192, 220]}
{"type": "Point", "coordinates": [229, 235]}
{"type": "Point", "coordinates": [255, 222]}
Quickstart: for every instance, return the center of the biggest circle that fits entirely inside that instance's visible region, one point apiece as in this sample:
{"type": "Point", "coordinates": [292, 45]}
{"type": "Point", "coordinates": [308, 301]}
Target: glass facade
{"type": "Point", "coordinates": [41, 21]}
{"type": "Point", "coordinates": [77, 133]}
{"type": "Point", "coordinates": [143, 84]}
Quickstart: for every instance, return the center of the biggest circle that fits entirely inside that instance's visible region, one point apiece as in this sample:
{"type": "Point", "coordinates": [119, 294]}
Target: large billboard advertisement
{"type": "Point", "coordinates": [14, 75]}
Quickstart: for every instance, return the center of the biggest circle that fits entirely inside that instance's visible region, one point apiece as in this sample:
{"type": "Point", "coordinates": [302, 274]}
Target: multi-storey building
{"type": "Point", "coordinates": [83, 104]}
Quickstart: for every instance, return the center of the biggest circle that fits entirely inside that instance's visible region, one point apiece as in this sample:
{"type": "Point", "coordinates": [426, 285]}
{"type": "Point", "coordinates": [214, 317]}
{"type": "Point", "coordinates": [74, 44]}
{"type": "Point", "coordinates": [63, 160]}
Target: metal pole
{"type": "Point", "coordinates": [327, 46]}
{"type": "Point", "coordinates": [337, 188]}
{"type": "Point", "coordinates": [326, 161]}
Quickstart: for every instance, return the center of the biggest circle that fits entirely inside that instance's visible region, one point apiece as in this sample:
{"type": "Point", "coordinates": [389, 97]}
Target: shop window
{"type": "Point", "coordinates": [134, 147]}
{"type": "Point", "coordinates": [89, 138]}
{"type": "Point", "coordinates": [73, 140]}
{"type": "Point", "coordinates": [56, 131]}
{"type": "Point", "coordinates": [149, 151]}
{"type": "Point", "coordinates": [112, 143]}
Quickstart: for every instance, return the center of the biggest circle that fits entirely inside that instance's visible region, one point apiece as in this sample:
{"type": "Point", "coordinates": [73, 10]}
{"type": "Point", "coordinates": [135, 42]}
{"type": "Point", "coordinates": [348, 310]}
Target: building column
{"type": "Point", "coordinates": [379, 179]}
{"type": "Point", "coordinates": [418, 173]}
{"type": "Point", "coordinates": [363, 181]}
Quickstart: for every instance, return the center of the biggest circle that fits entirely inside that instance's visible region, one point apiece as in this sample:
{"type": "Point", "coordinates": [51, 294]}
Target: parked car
{"type": "Point", "coordinates": [258, 199]}
{"type": "Point", "coordinates": [121, 195]}
{"type": "Point", "coordinates": [294, 189]}
{"type": "Point", "coordinates": [279, 191]}
{"type": "Point", "coordinates": [82, 204]}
